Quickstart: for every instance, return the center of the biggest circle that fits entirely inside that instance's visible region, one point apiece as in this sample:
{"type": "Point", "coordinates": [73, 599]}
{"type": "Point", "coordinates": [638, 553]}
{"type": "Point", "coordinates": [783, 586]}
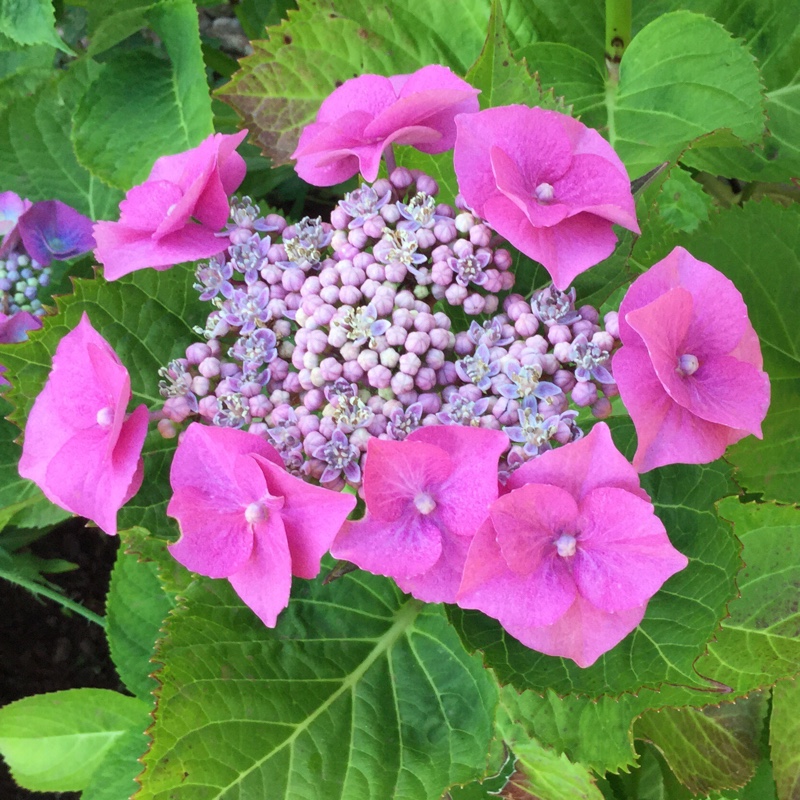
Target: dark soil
{"type": "Point", "coordinates": [46, 649]}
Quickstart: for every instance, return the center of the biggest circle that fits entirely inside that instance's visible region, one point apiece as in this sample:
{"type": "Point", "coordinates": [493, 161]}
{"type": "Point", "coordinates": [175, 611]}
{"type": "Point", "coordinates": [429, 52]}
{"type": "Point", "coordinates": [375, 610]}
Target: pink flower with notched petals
{"type": "Point", "coordinates": [551, 186]}
{"type": "Point", "coordinates": [569, 557]}
{"type": "Point", "coordinates": [426, 496]}
{"type": "Point", "coordinates": [245, 518]}
{"type": "Point", "coordinates": [81, 447]}
{"type": "Point", "coordinates": [690, 369]}
{"type": "Point", "coordinates": [365, 115]}
{"type": "Point", "coordinates": [175, 215]}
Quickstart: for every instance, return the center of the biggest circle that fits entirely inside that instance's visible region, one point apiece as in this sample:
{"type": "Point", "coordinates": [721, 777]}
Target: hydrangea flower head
{"type": "Point", "coordinates": [367, 114]}
{"type": "Point", "coordinates": [245, 518]}
{"type": "Point", "coordinates": [53, 230]}
{"type": "Point", "coordinates": [547, 183]}
{"type": "Point", "coordinates": [175, 215]}
{"type": "Point", "coordinates": [80, 447]}
{"type": "Point", "coordinates": [426, 496]}
{"type": "Point", "coordinates": [690, 369]}
{"type": "Point", "coordinates": [570, 555]}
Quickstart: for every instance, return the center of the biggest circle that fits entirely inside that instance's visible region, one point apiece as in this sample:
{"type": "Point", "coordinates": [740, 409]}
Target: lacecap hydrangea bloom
{"type": "Point", "coordinates": [175, 215]}
{"type": "Point", "coordinates": [367, 114]}
{"type": "Point", "coordinates": [245, 518]}
{"type": "Point", "coordinates": [690, 369]}
{"type": "Point", "coordinates": [569, 556]}
{"type": "Point", "coordinates": [426, 497]}
{"type": "Point", "coordinates": [81, 447]}
{"type": "Point", "coordinates": [548, 184]}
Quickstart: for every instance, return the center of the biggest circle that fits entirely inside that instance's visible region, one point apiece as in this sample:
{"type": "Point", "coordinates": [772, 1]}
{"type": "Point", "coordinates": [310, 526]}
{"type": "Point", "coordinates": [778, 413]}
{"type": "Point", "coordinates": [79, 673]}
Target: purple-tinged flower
{"type": "Point", "coordinates": [234, 411]}
{"type": "Point", "coordinates": [249, 255]}
{"type": "Point", "coordinates": [12, 207]}
{"type": "Point", "coordinates": [552, 306]}
{"type": "Point", "coordinates": [53, 230]}
{"type": "Point", "coordinates": [398, 246]}
{"type": "Point", "coordinates": [361, 325]}
{"type": "Point", "coordinates": [339, 456]}
{"type": "Point", "coordinates": [479, 368]}
{"type": "Point", "coordinates": [470, 268]}
{"type": "Point", "coordinates": [690, 369]}
{"type": "Point", "coordinates": [543, 180]}
{"type": "Point", "coordinates": [569, 557]}
{"type": "Point", "coordinates": [214, 278]}
{"type": "Point", "coordinates": [363, 204]}
{"type": "Point", "coordinates": [460, 410]}
{"type": "Point", "coordinates": [303, 250]}
{"type": "Point", "coordinates": [81, 447]}
{"type": "Point", "coordinates": [246, 216]}
{"type": "Point", "coordinates": [254, 351]}
{"type": "Point", "coordinates": [404, 421]}
{"type": "Point", "coordinates": [349, 411]}
{"type": "Point", "coordinates": [426, 496]}
{"type": "Point", "coordinates": [177, 382]}
{"type": "Point", "coordinates": [490, 333]}
{"type": "Point", "coordinates": [367, 114]}
{"type": "Point", "coordinates": [525, 381]}
{"type": "Point", "coordinates": [14, 327]}
{"type": "Point", "coordinates": [419, 212]}
{"type": "Point", "coordinates": [534, 431]}
{"type": "Point", "coordinates": [243, 309]}
{"type": "Point", "coordinates": [590, 361]}
{"type": "Point", "coordinates": [244, 518]}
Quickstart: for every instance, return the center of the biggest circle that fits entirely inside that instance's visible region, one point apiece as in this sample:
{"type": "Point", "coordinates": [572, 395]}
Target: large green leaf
{"type": "Point", "coordinates": [136, 607]}
{"type": "Point", "coordinates": [358, 693]}
{"type": "Point", "coordinates": [282, 84]}
{"type": "Point", "coordinates": [115, 776]}
{"type": "Point", "coordinates": [679, 619]}
{"type": "Point", "coordinates": [147, 317]}
{"type": "Point", "coordinates": [711, 748]}
{"type": "Point", "coordinates": [38, 158]}
{"type": "Point", "coordinates": [54, 742]}
{"type": "Point", "coordinates": [171, 95]}
{"type": "Point", "coordinates": [784, 738]}
{"type": "Point", "coordinates": [758, 248]}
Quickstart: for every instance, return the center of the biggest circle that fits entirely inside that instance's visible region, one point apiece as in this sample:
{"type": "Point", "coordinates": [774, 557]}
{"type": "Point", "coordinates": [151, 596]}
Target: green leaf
{"type": "Point", "coordinates": [115, 776]}
{"type": "Point", "coordinates": [682, 78]}
{"type": "Point", "coordinates": [54, 742]}
{"type": "Point", "coordinates": [30, 22]}
{"type": "Point", "coordinates": [171, 95]}
{"type": "Point", "coordinates": [38, 159]}
{"type": "Point", "coordinates": [358, 692]}
{"type": "Point", "coordinates": [684, 204]}
{"type": "Point", "coordinates": [679, 620]}
{"type": "Point", "coordinates": [758, 248]}
{"type": "Point", "coordinates": [283, 83]}
{"type": "Point", "coordinates": [711, 748]}
{"type": "Point", "coordinates": [147, 317]}
{"type": "Point", "coordinates": [542, 774]}
{"type": "Point", "coordinates": [784, 739]}
{"type": "Point", "coordinates": [136, 606]}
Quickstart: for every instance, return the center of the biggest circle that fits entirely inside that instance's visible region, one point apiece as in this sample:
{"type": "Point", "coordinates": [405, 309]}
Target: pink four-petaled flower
{"type": "Point", "coordinates": [569, 557]}
{"type": "Point", "coordinates": [80, 446]}
{"type": "Point", "coordinates": [176, 214]}
{"type": "Point", "coordinates": [547, 183]}
{"type": "Point", "coordinates": [426, 497]}
{"type": "Point", "coordinates": [245, 518]}
{"type": "Point", "coordinates": [690, 371]}
{"type": "Point", "coordinates": [367, 114]}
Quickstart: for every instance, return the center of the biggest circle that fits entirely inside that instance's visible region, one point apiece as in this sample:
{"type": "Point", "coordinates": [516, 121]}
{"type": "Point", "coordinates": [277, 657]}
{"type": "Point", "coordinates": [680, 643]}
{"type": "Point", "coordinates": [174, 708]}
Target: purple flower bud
{"type": "Point", "coordinates": [200, 386]}
{"type": "Point", "coordinates": [208, 407]}
{"type": "Point", "coordinates": [401, 178]}
{"type": "Point", "coordinates": [417, 342]}
{"type": "Point", "coordinates": [559, 333]}
{"type": "Point", "coordinates": [445, 231]}
{"type": "Point", "coordinates": [197, 352]}
{"type": "Point", "coordinates": [379, 377]}
{"type": "Point", "coordinates": [209, 367]}
{"type": "Point", "coordinates": [260, 406]}
{"type": "Point", "coordinates": [455, 294]}
{"type": "Point", "coordinates": [352, 371]}
{"type": "Point", "coordinates": [584, 394]}
{"type": "Point", "coordinates": [425, 379]}
{"type": "Point", "coordinates": [604, 340]}
{"type": "Point", "coordinates": [474, 304]}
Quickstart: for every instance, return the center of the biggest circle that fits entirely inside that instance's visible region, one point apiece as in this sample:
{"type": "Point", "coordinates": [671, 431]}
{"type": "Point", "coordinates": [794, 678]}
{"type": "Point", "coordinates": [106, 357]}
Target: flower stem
{"type": "Point", "coordinates": [388, 157]}
{"type": "Point", "coordinates": [618, 34]}
{"type": "Point", "coordinates": [59, 598]}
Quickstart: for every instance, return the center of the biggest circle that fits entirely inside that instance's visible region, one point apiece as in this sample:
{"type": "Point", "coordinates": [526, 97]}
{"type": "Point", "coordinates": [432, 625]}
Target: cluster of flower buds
{"type": "Point", "coordinates": [20, 279]}
{"type": "Point", "coordinates": [326, 335]}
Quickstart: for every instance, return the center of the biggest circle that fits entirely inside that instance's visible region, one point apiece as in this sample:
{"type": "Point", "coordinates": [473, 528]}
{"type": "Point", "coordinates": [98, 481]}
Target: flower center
{"type": "Point", "coordinates": [566, 545]}
{"type": "Point", "coordinates": [425, 503]}
{"type": "Point", "coordinates": [687, 364]}
{"type": "Point", "coordinates": [105, 417]}
{"type": "Point", "coordinates": [255, 513]}
{"type": "Point", "coordinates": [544, 193]}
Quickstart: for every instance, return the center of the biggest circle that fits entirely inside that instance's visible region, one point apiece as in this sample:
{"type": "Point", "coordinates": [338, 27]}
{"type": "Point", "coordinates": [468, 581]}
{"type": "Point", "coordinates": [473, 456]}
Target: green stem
{"type": "Point", "coordinates": [618, 34]}
{"type": "Point", "coordinates": [57, 597]}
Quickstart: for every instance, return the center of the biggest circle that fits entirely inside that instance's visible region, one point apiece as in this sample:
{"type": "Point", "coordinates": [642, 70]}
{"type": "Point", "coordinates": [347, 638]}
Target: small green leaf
{"type": "Point", "coordinates": [115, 776]}
{"type": "Point", "coordinates": [30, 22]}
{"type": "Point", "coordinates": [684, 204]}
{"type": "Point", "coordinates": [54, 742]}
{"type": "Point", "coordinates": [358, 692]}
{"type": "Point", "coordinates": [136, 606]}
{"type": "Point", "coordinates": [758, 248]}
{"type": "Point", "coordinates": [784, 739]}
{"type": "Point", "coordinates": [716, 747]}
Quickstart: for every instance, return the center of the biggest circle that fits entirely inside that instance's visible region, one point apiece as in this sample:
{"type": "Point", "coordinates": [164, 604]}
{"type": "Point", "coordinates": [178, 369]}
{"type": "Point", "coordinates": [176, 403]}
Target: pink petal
{"type": "Point", "coordinates": [396, 472]}
{"type": "Point", "coordinates": [368, 93]}
{"type": "Point", "coordinates": [582, 466]}
{"type": "Point", "coordinates": [146, 206]}
{"type": "Point", "coordinates": [517, 599]}
{"type": "Point", "coordinates": [312, 516]}
{"type": "Point", "coordinates": [583, 634]}
{"type": "Point", "coordinates": [408, 546]}
{"type": "Point", "coordinates": [14, 328]}
{"type": "Point", "coordinates": [624, 555]}
{"type": "Point", "coordinates": [265, 580]}
{"type": "Point", "coordinates": [529, 520]}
